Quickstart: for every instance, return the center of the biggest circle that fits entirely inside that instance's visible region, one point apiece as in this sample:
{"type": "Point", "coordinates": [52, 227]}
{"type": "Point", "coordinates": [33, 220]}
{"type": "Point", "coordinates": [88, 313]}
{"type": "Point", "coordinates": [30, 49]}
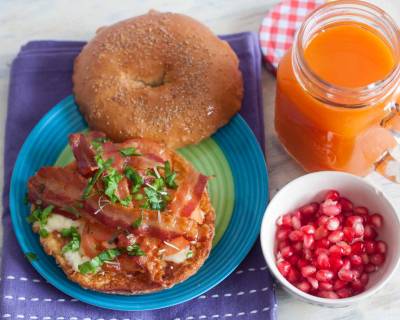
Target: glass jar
{"type": "Point", "coordinates": [327, 115]}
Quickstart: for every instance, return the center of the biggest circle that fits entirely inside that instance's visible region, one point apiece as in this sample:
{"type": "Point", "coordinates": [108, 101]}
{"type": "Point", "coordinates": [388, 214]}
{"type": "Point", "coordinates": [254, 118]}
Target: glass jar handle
{"type": "Point", "coordinates": [389, 164]}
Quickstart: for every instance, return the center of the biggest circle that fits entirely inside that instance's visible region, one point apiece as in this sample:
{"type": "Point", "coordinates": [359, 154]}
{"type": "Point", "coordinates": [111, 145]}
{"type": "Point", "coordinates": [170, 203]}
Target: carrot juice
{"type": "Point", "coordinates": [334, 88]}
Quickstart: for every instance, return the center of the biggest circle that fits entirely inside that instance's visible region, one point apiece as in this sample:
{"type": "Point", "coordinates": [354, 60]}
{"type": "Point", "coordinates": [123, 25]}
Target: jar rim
{"type": "Point", "coordinates": [324, 90]}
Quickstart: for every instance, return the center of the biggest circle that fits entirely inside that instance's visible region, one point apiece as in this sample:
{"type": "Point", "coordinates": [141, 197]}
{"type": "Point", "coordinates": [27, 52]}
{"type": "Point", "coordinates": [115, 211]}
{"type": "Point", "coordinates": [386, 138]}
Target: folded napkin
{"type": "Point", "coordinates": [41, 77]}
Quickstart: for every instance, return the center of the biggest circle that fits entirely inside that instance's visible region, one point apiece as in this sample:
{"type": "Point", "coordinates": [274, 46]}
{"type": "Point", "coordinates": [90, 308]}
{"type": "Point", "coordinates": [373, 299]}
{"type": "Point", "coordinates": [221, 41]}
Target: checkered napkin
{"type": "Point", "coordinates": [41, 77]}
{"type": "Point", "coordinates": [279, 27]}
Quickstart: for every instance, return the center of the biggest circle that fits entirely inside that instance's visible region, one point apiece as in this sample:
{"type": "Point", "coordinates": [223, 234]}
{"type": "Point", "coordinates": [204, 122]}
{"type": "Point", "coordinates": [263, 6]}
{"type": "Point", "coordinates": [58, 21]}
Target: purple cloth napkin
{"type": "Point", "coordinates": [41, 77]}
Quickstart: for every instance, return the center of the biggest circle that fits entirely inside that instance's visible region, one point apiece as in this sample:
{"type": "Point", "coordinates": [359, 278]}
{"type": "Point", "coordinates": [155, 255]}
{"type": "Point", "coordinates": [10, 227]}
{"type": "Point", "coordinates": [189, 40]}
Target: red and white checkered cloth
{"type": "Point", "coordinates": [279, 26]}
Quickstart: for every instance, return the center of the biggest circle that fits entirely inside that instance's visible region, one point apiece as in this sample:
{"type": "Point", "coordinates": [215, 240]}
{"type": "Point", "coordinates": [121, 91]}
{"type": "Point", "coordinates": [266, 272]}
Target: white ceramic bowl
{"type": "Point", "coordinates": [312, 187]}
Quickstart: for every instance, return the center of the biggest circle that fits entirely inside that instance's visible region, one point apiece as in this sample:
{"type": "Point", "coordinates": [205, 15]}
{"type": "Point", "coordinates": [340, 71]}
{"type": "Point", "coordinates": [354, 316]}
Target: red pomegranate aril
{"type": "Point", "coordinates": [358, 247]}
{"type": "Point", "coordinates": [308, 229]}
{"type": "Point", "coordinates": [313, 282]}
{"type": "Point", "coordinates": [298, 247]}
{"type": "Point", "coordinates": [284, 267]}
{"type": "Point", "coordinates": [321, 232]}
{"type": "Point", "coordinates": [365, 258]}
{"type": "Point", "coordinates": [324, 275]}
{"type": "Point", "coordinates": [369, 232]}
{"type": "Point", "coordinates": [282, 233]}
{"type": "Point", "coordinates": [293, 275]}
{"type": "Point", "coordinates": [309, 210]}
{"type": "Point", "coordinates": [370, 247]}
{"type": "Point", "coordinates": [358, 229]}
{"type": "Point", "coordinates": [369, 268]}
{"type": "Point", "coordinates": [346, 264]}
{"type": "Point", "coordinates": [322, 243]}
{"type": "Point", "coordinates": [296, 235]}
{"type": "Point", "coordinates": [376, 220]}
{"type": "Point", "coordinates": [336, 262]}
{"type": "Point", "coordinates": [287, 252]}
{"type": "Point", "coordinates": [308, 271]}
{"type": "Point", "coordinates": [356, 260]}
{"type": "Point", "coordinates": [293, 260]}
{"type": "Point", "coordinates": [335, 249]}
{"type": "Point", "coordinates": [308, 255]}
{"type": "Point", "coordinates": [362, 211]}
{"type": "Point", "coordinates": [323, 220]}
{"type": "Point", "coordinates": [323, 261]}
{"type": "Point", "coordinates": [345, 274]}
{"type": "Point", "coordinates": [357, 286]}
{"type": "Point", "coordinates": [325, 286]}
{"type": "Point", "coordinates": [296, 222]}
{"type": "Point", "coordinates": [332, 195]}
{"type": "Point", "coordinates": [339, 284]}
{"type": "Point", "coordinates": [364, 278]}
{"type": "Point", "coordinates": [346, 204]}
{"type": "Point", "coordinates": [377, 259]}
{"type": "Point", "coordinates": [333, 224]}
{"type": "Point", "coordinates": [285, 220]}
{"type": "Point", "coordinates": [330, 208]}
{"type": "Point", "coordinates": [328, 294]}
{"type": "Point", "coordinates": [304, 286]}
{"type": "Point", "coordinates": [346, 248]}
{"type": "Point", "coordinates": [359, 269]}
{"type": "Point", "coordinates": [350, 221]}
{"type": "Point", "coordinates": [335, 236]}
{"type": "Point", "coordinates": [283, 244]}
{"type": "Point", "coordinates": [348, 234]}
{"type": "Point", "coordinates": [308, 241]}
{"type": "Point", "coordinates": [380, 247]}
{"type": "Point", "coordinates": [344, 293]}
{"type": "Point", "coordinates": [302, 263]}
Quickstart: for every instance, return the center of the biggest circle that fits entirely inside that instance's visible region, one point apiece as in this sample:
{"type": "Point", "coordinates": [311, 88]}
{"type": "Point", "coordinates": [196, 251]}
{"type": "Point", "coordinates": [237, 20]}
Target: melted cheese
{"type": "Point", "coordinates": [58, 222]}
{"type": "Point", "coordinates": [75, 258]}
{"type": "Point", "coordinates": [178, 257]}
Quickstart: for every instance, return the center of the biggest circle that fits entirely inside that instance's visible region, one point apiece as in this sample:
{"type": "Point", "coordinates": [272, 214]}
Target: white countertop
{"type": "Point", "coordinates": [22, 21]}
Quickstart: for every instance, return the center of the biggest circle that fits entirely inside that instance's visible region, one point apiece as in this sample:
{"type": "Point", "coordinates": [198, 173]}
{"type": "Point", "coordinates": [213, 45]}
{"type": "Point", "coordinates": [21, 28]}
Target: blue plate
{"type": "Point", "coordinates": [250, 183]}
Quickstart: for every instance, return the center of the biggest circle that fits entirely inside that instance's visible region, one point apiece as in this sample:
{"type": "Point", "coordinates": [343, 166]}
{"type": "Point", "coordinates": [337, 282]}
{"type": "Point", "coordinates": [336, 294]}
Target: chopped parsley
{"type": "Point", "coordinates": [189, 254]}
{"type": "Point", "coordinates": [155, 200]}
{"type": "Point", "coordinates": [111, 181]}
{"type": "Point", "coordinates": [75, 242]}
{"type": "Point", "coordinates": [134, 250]}
{"type": "Point", "coordinates": [169, 176]}
{"type": "Point", "coordinates": [126, 152]}
{"type": "Point", "coordinates": [98, 142]}
{"type": "Point", "coordinates": [41, 216]}
{"type": "Point", "coordinates": [137, 222]}
{"type": "Point", "coordinates": [31, 256]}
{"type": "Point", "coordinates": [93, 265]}
{"type": "Point", "coordinates": [103, 166]}
{"type": "Point", "coordinates": [135, 178]}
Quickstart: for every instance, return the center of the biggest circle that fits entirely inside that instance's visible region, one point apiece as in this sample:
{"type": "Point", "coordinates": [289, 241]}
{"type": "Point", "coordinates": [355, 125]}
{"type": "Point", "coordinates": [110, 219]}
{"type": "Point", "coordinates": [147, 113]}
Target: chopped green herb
{"type": "Point", "coordinates": [137, 222]}
{"type": "Point", "coordinates": [127, 201]}
{"type": "Point", "coordinates": [169, 176]}
{"type": "Point", "coordinates": [31, 256]}
{"type": "Point", "coordinates": [129, 152]}
{"type": "Point", "coordinates": [98, 142]}
{"type": "Point", "coordinates": [103, 166]}
{"type": "Point", "coordinates": [138, 196]}
{"type": "Point", "coordinates": [135, 177]}
{"type": "Point", "coordinates": [155, 199]}
{"type": "Point", "coordinates": [189, 254]}
{"type": "Point", "coordinates": [41, 217]}
{"type": "Point", "coordinates": [111, 181]}
{"type": "Point", "coordinates": [75, 242]}
{"type": "Point", "coordinates": [93, 265]}
{"type": "Point", "coordinates": [134, 250]}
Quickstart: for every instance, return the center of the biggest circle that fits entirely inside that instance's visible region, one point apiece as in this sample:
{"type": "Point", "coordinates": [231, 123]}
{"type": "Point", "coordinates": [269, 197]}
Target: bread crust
{"type": "Point", "coordinates": [161, 76]}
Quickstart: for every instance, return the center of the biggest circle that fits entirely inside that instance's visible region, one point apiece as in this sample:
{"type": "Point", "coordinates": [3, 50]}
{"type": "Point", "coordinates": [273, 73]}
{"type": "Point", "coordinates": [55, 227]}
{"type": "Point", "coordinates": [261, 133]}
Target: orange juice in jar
{"type": "Point", "coordinates": [337, 86]}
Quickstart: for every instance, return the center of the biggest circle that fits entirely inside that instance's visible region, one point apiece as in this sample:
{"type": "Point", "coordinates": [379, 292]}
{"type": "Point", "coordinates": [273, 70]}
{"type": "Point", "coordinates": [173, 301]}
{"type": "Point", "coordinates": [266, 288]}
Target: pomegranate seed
{"type": "Point", "coordinates": [335, 236]}
{"type": "Point", "coordinates": [327, 294]}
{"type": "Point", "coordinates": [348, 234]}
{"type": "Point", "coordinates": [361, 211]}
{"type": "Point", "coordinates": [370, 247]}
{"type": "Point", "coordinates": [345, 274]}
{"type": "Point", "coordinates": [365, 258]}
{"type": "Point", "coordinates": [380, 247]}
{"type": "Point", "coordinates": [350, 221]}
{"type": "Point", "coordinates": [339, 284]}
{"type": "Point", "coordinates": [332, 224]}
{"type": "Point", "coordinates": [358, 248]}
{"type": "Point", "coordinates": [376, 220]}
{"type": "Point", "coordinates": [324, 275]}
{"type": "Point", "coordinates": [346, 263]}
{"type": "Point", "coordinates": [298, 246]}
{"type": "Point", "coordinates": [369, 268]}
{"type": "Point", "coordinates": [325, 286]}
{"type": "Point", "coordinates": [308, 255]}
{"type": "Point", "coordinates": [313, 282]}
{"type": "Point", "coordinates": [285, 220]}
{"type": "Point", "coordinates": [308, 229]}
{"type": "Point", "coordinates": [330, 208]}
{"type": "Point", "coordinates": [369, 232]}
{"type": "Point", "coordinates": [346, 204]}
{"type": "Point", "coordinates": [359, 269]}
{"type": "Point", "coordinates": [293, 260]}
{"type": "Point", "coordinates": [336, 262]}
{"type": "Point", "coordinates": [356, 260]}
{"type": "Point", "coordinates": [287, 252]}
{"type": "Point", "coordinates": [308, 241]}
{"type": "Point", "coordinates": [322, 220]}
{"type": "Point", "coordinates": [283, 244]}
{"type": "Point", "coordinates": [303, 286]}
{"type": "Point", "coordinates": [293, 275]}
{"type": "Point", "coordinates": [309, 209]}
{"type": "Point", "coordinates": [308, 271]}
{"type": "Point", "coordinates": [296, 235]}
{"type": "Point", "coordinates": [319, 251]}
{"type": "Point", "coordinates": [344, 293]}
{"type": "Point", "coordinates": [323, 261]}
{"type": "Point", "coordinates": [284, 267]}
{"type": "Point", "coordinates": [332, 195]}
{"type": "Point", "coordinates": [346, 248]}
{"type": "Point", "coordinates": [336, 250]}
{"type": "Point", "coordinates": [322, 243]}
{"type": "Point", "coordinates": [364, 279]}
{"type": "Point", "coordinates": [296, 222]}
{"type": "Point", "coordinates": [302, 263]}
{"type": "Point", "coordinates": [358, 229]}
{"type": "Point", "coordinates": [357, 286]}
{"type": "Point", "coordinates": [377, 259]}
{"type": "Point", "coordinates": [282, 233]}
{"type": "Point", "coordinates": [321, 232]}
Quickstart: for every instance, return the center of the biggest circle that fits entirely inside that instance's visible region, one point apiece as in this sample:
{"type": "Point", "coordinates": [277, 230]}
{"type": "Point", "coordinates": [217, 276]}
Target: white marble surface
{"type": "Point", "coordinates": [21, 21]}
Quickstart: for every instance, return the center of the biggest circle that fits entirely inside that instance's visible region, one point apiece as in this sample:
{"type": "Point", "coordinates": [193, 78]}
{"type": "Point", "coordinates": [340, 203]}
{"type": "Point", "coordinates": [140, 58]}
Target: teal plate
{"type": "Point", "coordinates": [239, 193]}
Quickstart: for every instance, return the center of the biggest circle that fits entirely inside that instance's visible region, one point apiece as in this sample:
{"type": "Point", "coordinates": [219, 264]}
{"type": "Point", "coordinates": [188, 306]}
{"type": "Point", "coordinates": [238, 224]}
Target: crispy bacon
{"type": "Point", "coordinates": [84, 153]}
